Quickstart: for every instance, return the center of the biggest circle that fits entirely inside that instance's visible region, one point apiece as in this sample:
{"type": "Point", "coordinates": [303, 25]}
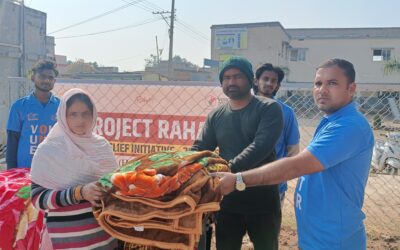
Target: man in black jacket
{"type": "Point", "coordinates": [245, 129]}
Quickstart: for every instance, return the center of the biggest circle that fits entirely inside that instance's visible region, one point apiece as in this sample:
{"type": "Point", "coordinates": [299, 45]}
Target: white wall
{"type": "Point", "coordinates": [264, 44]}
{"type": "Point", "coordinates": [357, 51]}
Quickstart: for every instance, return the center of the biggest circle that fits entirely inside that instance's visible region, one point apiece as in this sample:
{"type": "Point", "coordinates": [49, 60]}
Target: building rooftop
{"type": "Point", "coordinates": [247, 25]}
{"type": "Point", "coordinates": [322, 33]}
{"type": "Point", "coordinates": [348, 33]}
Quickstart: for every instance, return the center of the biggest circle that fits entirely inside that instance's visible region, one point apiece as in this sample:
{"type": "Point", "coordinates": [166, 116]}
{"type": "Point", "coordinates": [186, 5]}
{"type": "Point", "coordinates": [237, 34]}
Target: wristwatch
{"type": "Point", "coordinates": [240, 185]}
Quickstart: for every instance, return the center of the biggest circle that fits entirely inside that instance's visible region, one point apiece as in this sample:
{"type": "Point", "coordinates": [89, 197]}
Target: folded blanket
{"type": "Point", "coordinates": [167, 216]}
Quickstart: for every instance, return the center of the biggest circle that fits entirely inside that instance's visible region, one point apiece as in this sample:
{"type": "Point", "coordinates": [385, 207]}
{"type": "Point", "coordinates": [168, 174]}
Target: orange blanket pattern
{"type": "Point", "coordinates": [159, 199]}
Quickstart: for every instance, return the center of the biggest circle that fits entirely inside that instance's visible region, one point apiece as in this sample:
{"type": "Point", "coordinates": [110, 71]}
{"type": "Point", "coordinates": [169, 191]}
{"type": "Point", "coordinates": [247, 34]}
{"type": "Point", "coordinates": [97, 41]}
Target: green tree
{"type": "Point", "coordinates": [80, 66]}
{"type": "Point", "coordinates": [94, 64]}
{"type": "Point", "coordinates": [152, 61]}
{"type": "Point", "coordinates": [392, 66]}
{"type": "Point", "coordinates": [178, 59]}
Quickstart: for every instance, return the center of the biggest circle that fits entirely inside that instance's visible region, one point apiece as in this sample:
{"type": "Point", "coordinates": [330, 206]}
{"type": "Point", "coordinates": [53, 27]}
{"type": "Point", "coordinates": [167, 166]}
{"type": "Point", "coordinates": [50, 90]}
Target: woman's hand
{"type": "Point", "coordinates": [92, 193]}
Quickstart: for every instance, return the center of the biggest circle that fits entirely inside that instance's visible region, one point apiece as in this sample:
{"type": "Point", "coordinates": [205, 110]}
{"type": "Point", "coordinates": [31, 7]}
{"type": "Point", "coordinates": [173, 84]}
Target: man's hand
{"type": "Point", "coordinates": [92, 193]}
{"type": "Point", "coordinates": [226, 183]}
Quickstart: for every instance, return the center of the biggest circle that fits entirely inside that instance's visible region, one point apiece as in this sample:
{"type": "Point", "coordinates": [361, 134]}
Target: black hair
{"type": "Point", "coordinates": [280, 74]}
{"type": "Point", "coordinates": [262, 68]}
{"type": "Point", "coordinates": [45, 64]}
{"type": "Point", "coordinates": [268, 67]}
{"type": "Point", "coordinates": [80, 97]}
{"type": "Point", "coordinates": [346, 66]}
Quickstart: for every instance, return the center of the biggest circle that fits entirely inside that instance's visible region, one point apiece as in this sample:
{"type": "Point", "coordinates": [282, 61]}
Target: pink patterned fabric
{"type": "Point", "coordinates": [21, 225]}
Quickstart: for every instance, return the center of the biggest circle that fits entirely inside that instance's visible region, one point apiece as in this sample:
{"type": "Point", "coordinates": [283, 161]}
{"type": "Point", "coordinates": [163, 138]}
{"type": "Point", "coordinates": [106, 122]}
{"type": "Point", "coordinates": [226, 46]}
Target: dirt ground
{"type": "Point", "coordinates": [381, 208]}
{"type": "Point", "coordinates": [288, 241]}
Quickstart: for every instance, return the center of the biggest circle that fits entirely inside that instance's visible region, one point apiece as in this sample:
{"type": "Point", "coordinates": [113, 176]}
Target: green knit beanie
{"type": "Point", "coordinates": [238, 62]}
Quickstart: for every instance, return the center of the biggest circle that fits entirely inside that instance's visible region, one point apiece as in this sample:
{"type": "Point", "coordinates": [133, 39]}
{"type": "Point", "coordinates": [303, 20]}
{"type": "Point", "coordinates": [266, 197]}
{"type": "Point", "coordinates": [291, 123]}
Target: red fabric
{"type": "Point", "coordinates": [13, 206]}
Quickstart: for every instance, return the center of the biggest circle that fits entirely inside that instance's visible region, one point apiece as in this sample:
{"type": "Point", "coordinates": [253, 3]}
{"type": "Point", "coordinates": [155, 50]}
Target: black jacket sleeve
{"type": "Point", "coordinates": [12, 148]}
{"type": "Point", "coordinates": [268, 131]}
{"type": "Point", "coordinates": [207, 138]}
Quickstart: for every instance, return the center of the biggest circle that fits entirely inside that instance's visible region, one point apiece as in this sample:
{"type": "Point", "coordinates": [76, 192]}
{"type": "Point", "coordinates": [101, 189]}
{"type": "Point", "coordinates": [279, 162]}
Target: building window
{"type": "Point", "coordinates": [297, 54]}
{"type": "Point", "coordinates": [381, 55]}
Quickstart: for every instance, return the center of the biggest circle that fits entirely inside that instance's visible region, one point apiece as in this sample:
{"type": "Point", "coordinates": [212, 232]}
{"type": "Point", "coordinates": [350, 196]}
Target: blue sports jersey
{"type": "Point", "coordinates": [328, 204]}
{"type": "Point", "coordinates": [32, 120]}
{"type": "Point", "coordinates": [290, 136]}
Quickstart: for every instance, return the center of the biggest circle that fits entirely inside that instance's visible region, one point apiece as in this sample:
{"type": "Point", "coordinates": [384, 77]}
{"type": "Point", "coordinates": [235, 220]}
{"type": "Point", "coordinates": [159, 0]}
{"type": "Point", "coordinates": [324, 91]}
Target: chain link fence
{"type": "Point", "coordinates": [141, 117]}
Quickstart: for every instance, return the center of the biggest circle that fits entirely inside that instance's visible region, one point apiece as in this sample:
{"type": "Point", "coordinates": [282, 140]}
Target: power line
{"type": "Point", "coordinates": [147, 6]}
{"type": "Point", "coordinates": [189, 34]}
{"type": "Point", "coordinates": [186, 25]}
{"type": "Point", "coordinates": [183, 26]}
{"type": "Point", "coordinates": [144, 7]}
{"type": "Point", "coordinates": [140, 5]}
{"type": "Point", "coordinates": [193, 29]}
{"type": "Point", "coordinates": [154, 6]}
{"type": "Point", "coordinates": [112, 30]}
{"type": "Point", "coordinates": [98, 16]}
{"type": "Point", "coordinates": [151, 7]}
{"type": "Point", "coordinates": [190, 29]}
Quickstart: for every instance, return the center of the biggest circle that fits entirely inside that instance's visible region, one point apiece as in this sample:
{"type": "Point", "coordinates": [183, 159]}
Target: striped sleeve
{"type": "Point", "coordinates": [45, 199]}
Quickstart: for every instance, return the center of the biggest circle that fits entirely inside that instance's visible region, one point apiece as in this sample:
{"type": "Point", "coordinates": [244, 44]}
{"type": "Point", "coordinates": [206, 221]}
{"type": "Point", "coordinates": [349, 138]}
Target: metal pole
{"type": "Point", "coordinates": [22, 41]}
{"type": "Point", "coordinates": [171, 42]}
{"type": "Point", "coordinates": [158, 52]}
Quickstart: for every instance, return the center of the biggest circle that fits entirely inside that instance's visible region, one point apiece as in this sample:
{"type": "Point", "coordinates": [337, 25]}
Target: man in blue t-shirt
{"type": "Point", "coordinates": [333, 169]}
{"type": "Point", "coordinates": [267, 83]}
{"type": "Point", "coordinates": [32, 116]}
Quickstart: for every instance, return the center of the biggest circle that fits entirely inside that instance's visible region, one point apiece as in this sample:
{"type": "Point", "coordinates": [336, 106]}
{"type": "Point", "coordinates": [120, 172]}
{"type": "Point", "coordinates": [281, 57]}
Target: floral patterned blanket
{"type": "Point", "coordinates": [21, 225]}
{"type": "Point", "coordinates": [159, 200]}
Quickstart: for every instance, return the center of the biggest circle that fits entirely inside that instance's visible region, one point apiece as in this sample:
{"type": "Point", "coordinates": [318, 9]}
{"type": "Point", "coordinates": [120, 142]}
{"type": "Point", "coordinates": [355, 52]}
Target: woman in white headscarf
{"type": "Point", "coordinates": [65, 168]}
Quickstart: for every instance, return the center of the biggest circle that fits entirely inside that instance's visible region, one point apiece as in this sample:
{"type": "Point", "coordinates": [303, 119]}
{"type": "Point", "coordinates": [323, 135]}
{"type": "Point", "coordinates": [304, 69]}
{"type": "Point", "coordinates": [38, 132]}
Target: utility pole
{"type": "Point", "coordinates": [22, 40]}
{"type": "Point", "coordinates": [158, 52]}
{"type": "Point", "coordinates": [171, 37]}
{"type": "Point", "coordinates": [171, 42]}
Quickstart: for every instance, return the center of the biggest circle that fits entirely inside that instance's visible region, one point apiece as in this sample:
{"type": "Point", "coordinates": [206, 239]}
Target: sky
{"type": "Point", "coordinates": [134, 27]}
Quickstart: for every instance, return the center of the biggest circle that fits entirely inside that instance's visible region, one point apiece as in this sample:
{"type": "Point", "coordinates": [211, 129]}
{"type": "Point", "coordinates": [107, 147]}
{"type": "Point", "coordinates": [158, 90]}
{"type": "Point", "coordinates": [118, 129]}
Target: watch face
{"type": "Point", "coordinates": [240, 186]}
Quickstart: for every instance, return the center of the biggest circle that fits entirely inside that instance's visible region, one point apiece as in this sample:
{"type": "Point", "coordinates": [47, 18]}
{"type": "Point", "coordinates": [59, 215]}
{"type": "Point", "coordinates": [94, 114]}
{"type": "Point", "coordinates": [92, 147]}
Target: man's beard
{"type": "Point", "coordinates": [43, 89]}
{"type": "Point", "coordinates": [237, 95]}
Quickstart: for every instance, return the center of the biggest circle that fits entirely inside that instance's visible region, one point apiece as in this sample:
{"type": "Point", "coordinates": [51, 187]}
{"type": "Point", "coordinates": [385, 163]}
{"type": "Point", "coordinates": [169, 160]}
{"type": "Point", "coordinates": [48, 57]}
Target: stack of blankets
{"type": "Point", "coordinates": [159, 200]}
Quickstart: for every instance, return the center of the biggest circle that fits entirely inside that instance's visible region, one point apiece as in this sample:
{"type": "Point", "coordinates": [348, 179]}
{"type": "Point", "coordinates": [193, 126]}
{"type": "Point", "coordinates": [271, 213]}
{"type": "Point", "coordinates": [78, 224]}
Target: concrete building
{"type": "Point", "coordinates": [23, 39]}
{"type": "Point", "coordinates": [62, 64]}
{"type": "Point", "coordinates": [109, 69]}
{"type": "Point", "coordinates": [300, 51]}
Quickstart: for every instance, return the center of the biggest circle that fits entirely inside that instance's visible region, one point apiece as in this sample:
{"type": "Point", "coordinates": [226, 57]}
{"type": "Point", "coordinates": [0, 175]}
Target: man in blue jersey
{"type": "Point", "coordinates": [267, 83]}
{"type": "Point", "coordinates": [32, 116]}
{"type": "Point", "coordinates": [333, 169]}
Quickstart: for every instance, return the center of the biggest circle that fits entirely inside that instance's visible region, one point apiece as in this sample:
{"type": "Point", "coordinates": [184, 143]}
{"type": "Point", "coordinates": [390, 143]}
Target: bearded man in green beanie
{"type": "Point", "coordinates": [245, 129]}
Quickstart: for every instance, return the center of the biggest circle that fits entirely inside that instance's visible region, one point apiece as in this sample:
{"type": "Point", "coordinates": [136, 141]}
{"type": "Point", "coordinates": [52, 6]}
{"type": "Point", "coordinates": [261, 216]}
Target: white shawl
{"type": "Point", "coordinates": [65, 159]}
